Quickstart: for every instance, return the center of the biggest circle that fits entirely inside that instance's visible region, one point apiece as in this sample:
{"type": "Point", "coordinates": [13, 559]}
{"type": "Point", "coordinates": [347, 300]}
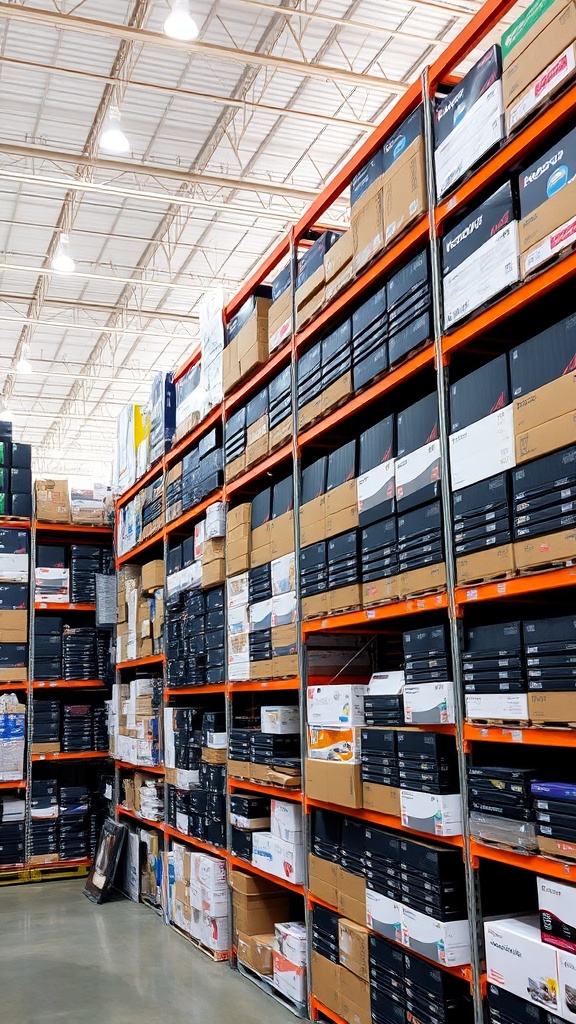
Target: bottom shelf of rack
{"type": "Point", "coordinates": [318, 1007]}
{"type": "Point", "coordinates": [266, 985]}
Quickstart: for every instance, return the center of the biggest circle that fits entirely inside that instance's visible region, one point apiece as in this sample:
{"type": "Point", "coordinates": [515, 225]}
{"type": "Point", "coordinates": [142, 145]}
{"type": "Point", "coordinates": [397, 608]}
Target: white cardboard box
{"type": "Point", "coordinates": [237, 590]}
{"type": "Point", "coordinates": [429, 703]}
{"type": "Point", "coordinates": [277, 720]}
{"type": "Point", "coordinates": [292, 941]}
{"type": "Point", "coordinates": [334, 705]}
{"type": "Point", "coordinates": [283, 572]}
{"type": "Point", "coordinates": [557, 906]}
{"type": "Point", "coordinates": [489, 270]}
{"type": "Point", "coordinates": [418, 469]}
{"type": "Point", "coordinates": [285, 816]}
{"type": "Point", "coordinates": [510, 707]}
{"type": "Point", "coordinates": [481, 127]}
{"type": "Point", "coordinates": [289, 978]}
{"type": "Point", "coordinates": [386, 684]}
{"type": "Point", "coordinates": [482, 449]}
{"type": "Point", "coordinates": [444, 942]}
{"type": "Point", "coordinates": [519, 962]}
{"type": "Point", "coordinates": [438, 815]}
{"type": "Point", "coordinates": [384, 915]}
{"type": "Point", "coordinates": [567, 984]}
{"type": "Point", "coordinates": [284, 609]}
{"type": "Point", "coordinates": [285, 860]}
{"type": "Point", "coordinates": [376, 486]}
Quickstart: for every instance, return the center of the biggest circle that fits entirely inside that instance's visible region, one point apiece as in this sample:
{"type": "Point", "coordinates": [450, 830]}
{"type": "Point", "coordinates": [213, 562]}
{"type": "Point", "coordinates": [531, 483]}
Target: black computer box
{"type": "Point", "coordinates": [433, 861]}
{"type": "Point", "coordinates": [479, 394]}
{"type": "Point", "coordinates": [543, 358]}
{"type": "Point", "coordinates": [336, 354]}
{"type": "Point", "coordinates": [535, 479]}
{"type": "Point", "coordinates": [497, 640]}
{"type": "Point", "coordinates": [410, 337]}
{"type": "Point", "coordinates": [482, 501]}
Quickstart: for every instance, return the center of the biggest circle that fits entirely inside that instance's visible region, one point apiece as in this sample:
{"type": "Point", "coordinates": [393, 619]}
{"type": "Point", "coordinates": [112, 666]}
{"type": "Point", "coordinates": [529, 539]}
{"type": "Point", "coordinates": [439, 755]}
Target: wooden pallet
{"type": "Point", "coordinates": [500, 723]}
{"type": "Point", "coordinates": [539, 570]}
{"type": "Point", "coordinates": [504, 847]}
{"type": "Point", "coordinates": [217, 956]}
{"type": "Point", "coordinates": [494, 577]}
{"type": "Point", "coordinates": [265, 983]}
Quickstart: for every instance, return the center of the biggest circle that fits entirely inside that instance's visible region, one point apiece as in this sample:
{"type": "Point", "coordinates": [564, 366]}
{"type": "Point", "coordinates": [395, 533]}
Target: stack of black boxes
{"type": "Point", "coordinates": [79, 653]}
{"type": "Point", "coordinates": [376, 502]}
{"type": "Point", "coordinates": [541, 495]}
{"type": "Point", "coordinates": [550, 649]}
{"type": "Point", "coordinates": [85, 561]}
{"type": "Point", "coordinates": [492, 660]}
{"type": "Point", "coordinates": [195, 638]}
{"type": "Point", "coordinates": [500, 805]}
{"type": "Point", "coordinates": [418, 486]}
{"type": "Point", "coordinates": [48, 647]}
{"type": "Point", "coordinates": [15, 475]}
{"type": "Point", "coordinates": [369, 340]}
{"type": "Point", "coordinates": [202, 469]}
{"type": "Point", "coordinates": [74, 822]}
{"type": "Point", "coordinates": [427, 762]}
{"type": "Point", "coordinates": [77, 728]}
{"type": "Point", "coordinates": [380, 757]}
{"type": "Point", "coordinates": [46, 721]}
{"type": "Point", "coordinates": [409, 308]}
{"type": "Point", "coordinates": [12, 813]}
{"type": "Point", "coordinates": [43, 837]}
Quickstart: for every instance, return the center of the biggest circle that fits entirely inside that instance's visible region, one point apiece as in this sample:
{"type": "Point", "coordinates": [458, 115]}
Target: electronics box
{"type": "Point", "coordinates": [519, 962]}
{"type": "Point", "coordinates": [431, 813]}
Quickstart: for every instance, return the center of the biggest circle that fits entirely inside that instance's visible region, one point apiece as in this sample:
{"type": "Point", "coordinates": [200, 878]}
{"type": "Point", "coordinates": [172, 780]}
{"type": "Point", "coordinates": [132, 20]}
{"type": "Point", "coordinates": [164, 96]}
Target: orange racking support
{"type": "Point", "coordinates": [473, 34]}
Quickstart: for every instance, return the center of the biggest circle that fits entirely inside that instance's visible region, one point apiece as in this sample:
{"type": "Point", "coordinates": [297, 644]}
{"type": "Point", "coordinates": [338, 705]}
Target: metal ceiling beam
{"type": "Point", "coordinates": [448, 7]}
{"type": "Point", "coordinates": [72, 23]}
{"type": "Point", "coordinates": [97, 163]}
{"type": "Point", "coordinates": [101, 307]}
{"type": "Point", "coordinates": [61, 325]}
{"type": "Point", "coordinates": [190, 94]}
{"type": "Point", "coordinates": [112, 279]}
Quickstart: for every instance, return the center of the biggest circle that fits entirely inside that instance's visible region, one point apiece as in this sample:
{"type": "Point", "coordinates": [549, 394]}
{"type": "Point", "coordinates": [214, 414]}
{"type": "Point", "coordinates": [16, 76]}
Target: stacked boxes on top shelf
{"type": "Point", "coordinates": [260, 427]}
{"type": "Point", "coordinates": [15, 476]}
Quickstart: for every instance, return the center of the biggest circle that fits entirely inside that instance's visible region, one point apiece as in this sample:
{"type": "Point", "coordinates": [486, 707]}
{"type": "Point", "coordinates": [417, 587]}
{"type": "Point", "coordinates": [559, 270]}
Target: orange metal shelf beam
{"type": "Point", "coordinates": [63, 684]}
{"type": "Point", "coordinates": [154, 659]}
{"type": "Point", "coordinates": [542, 865]}
{"type": "Point", "coordinates": [213, 417]}
{"type": "Point", "coordinates": [190, 691]}
{"type": "Point", "coordinates": [82, 755]}
{"type": "Point", "coordinates": [245, 865]}
{"type": "Point", "coordinates": [474, 33]}
{"type": "Point", "coordinates": [193, 513]}
{"type": "Point", "coordinates": [18, 784]}
{"type": "Point", "coordinates": [319, 1007]}
{"type": "Point", "coordinates": [275, 364]}
{"type": "Point", "coordinates": [73, 528]}
{"type": "Point", "coordinates": [393, 610]}
{"type": "Point", "coordinates": [144, 545]}
{"type": "Point", "coordinates": [15, 524]}
{"type": "Point", "coordinates": [517, 300]}
{"type": "Point", "coordinates": [418, 234]}
{"type": "Point", "coordinates": [55, 606]}
{"type": "Point", "coordinates": [359, 402]}
{"type": "Point", "coordinates": [260, 468]}
{"type": "Point", "coordinates": [175, 833]}
{"type": "Point", "coordinates": [518, 586]}
{"type": "Point", "coordinates": [533, 737]}
{"type": "Point", "coordinates": [386, 820]}
{"type": "Point", "coordinates": [138, 817]}
{"type": "Point", "coordinates": [154, 471]}
{"type": "Point", "coordinates": [188, 363]}
{"type": "Point", "coordinates": [157, 769]}
{"type": "Point", "coordinates": [260, 787]}
{"type": "Point", "coordinates": [254, 685]}
{"type": "Point", "coordinates": [13, 686]}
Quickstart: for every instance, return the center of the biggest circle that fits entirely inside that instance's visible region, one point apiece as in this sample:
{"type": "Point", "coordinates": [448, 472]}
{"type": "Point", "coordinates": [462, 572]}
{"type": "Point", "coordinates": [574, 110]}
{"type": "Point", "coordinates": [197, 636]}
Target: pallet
{"type": "Point", "coordinates": [505, 848]}
{"type": "Point", "coordinates": [537, 570]}
{"type": "Point", "coordinates": [429, 592]}
{"type": "Point", "coordinates": [495, 577]}
{"type": "Point", "coordinates": [265, 984]}
{"type": "Point", "coordinates": [500, 723]}
{"type": "Point", "coordinates": [15, 874]}
{"type": "Point", "coordinates": [216, 956]}
{"type": "Point", "coordinates": [14, 519]}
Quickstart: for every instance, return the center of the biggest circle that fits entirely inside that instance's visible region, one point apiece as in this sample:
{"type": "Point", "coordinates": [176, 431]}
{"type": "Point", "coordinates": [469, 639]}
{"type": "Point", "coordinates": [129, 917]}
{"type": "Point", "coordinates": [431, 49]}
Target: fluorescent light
{"type": "Point", "coordinates": [180, 24]}
{"type": "Point", "coordinates": [6, 416]}
{"type": "Point", "coordinates": [112, 138]}
{"type": "Point", "coordinates": [24, 366]}
{"type": "Point", "coordinates": [62, 261]}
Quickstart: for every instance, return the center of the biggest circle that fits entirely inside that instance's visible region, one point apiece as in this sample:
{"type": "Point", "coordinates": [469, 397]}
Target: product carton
{"type": "Point", "coordinates": [429, 703]}
{"type": "Point", "coordinates": [507, 707]}
{"type": "Point", "coordinates": [339, 265]}
{"type": "Point", "coordinates": [481, 565]}
{"type": "Point", "coordinates": [538, 57]}
{"type": "Point", "coordinates": [336, 705]}
{"type": "Point", "coordinates": [482, 449]}
{"type": "Point", "coordinates": [334, 744]}
{"type": "Point", "coordinates": [438, 815]}
{"type": "Point", "coordinates": [310, 297]}
{"type": "Point", "coordinates": [292, 941]}
{"type": "Point", "coordinates": [380, 591]}
{"type": "Point", "coordinates": [556, 708]}
{"type": "Point", "coordinates": [420, 581]}
{"type": "Point", "coordinates": [326, 981]}
{"type": "Point", "coordinates": [52, 501]}
{"type": "Point", "coordinates": [323, 879]}
{"type": "Point", "coordinates": [354, 998]}
{"type": "Point", "coordinates": [280, 321]}
{"type": "Point", "coordinates": [279, 720]}
{"type": "Point", "coordinates": [543, 551]}
{"type": "Point", "coordinates": [384, 915]}
{"type": "Point", "coordinates": [256, 952]}
{"type": "Point", "coordinates": [383, 799]}
{"type": "Point", "coordinates": [286, 860]}
{"type": "Point", "coordinates": [334, 782]}
{"type": "Point", "coordinates": [152, 576]}
{"type": "Point", "coordinates": [443, 942]}
{"type": "Point", "coordinates": [368, 225]}
{"type": "Point", "coordinates": [352, 896]}
{"type": "Point", "coordinates": [557, 906]}
{"type": "Point", "coordinates": [548, 437]}
{"type": "Point", "coordinates": [567, 985]}
{"type": "Point", "coordinates": [404, 191]}
{"type": "Point", "coordinates": [289, 978]}
{"type": "Point", "coordinates": [286, 821]}
{"type": "Point", "coordinates": [518, 961]}
{"type": "Point", "coordinates": [313, 521]}
{"type": "Point", "coordinates": [353, 947]}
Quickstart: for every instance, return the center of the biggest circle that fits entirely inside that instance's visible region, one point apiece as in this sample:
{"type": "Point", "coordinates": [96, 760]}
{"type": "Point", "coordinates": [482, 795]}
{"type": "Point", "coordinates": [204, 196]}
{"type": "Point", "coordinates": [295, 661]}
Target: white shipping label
{"type": "Point", "coordinates": [549, 80]}
{"type": "Point", "coordinates": [479, 130]}
{"type": "Point", "coordinates": [488, 271]}
{"type": "Point", "coordinates": [482, 449]}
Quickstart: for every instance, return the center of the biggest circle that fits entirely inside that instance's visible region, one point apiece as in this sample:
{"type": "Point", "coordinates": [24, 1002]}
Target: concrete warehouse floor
{"type": "Point", "coordinates": [65, 961]}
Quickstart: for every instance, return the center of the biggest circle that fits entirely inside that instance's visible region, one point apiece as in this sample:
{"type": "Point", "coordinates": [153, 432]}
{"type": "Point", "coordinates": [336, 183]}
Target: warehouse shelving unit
{"type": "Point", "coordinates": [453, 602]}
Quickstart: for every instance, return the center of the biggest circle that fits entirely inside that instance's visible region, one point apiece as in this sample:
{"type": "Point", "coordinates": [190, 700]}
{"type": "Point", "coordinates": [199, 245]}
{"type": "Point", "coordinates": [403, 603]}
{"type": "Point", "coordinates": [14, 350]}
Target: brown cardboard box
{"type": "Point", "coordinates": [313, 521]}
{"type": "Point", "coordinates": [354, 998]}
{"type": "Point", "coordinates": [282, 535]}
{"type": "Point", "coordinates": [284, 665]}
{"type": "Point", "coordinates": [257, 441]}
{"type": "Point", "coordinates": [237, 564]}
{"type": "Point", "coordinates": [13, 675]}
{"type": "Point", "coordinates": [383, 799]}
{"type": "Point", "coordinates": [260, 539]}
{"type": "Point", "coordinates": [280, 321]}
{"type": "Point", "coordinates": [52, 501]}
{"type": "Point", "coordinates": [152, 576]}
{"type": "Point", "coordinates": [257, 915]}
{"type": "Point", "coordinates": [540, 236]}
{"type": "Point", "coordinates": [257, 430]}
{"type": "Point", "coordinates": [240, 515]}
{"type": "Point", "coordinates": [213, 549]}
{"type": "Point", "coordinates": [285, 639]}
{"type": "Point", "coordinates": [252, 885]}
{"type": "Point", "coordinates": [14, 626]}
{"type": "Point", "coordinates": [45, 748]}
{"type": "Point", "coordinates": [404, 189]}
{"type": "Point", "coordinates": [353, 947]}
{"type": "Point", "coordinates": [256, 952]}
{"type": "Point", "coordinates": [323, 879]}
{"type": "Point", "coordinates": [329, 781]}
{"type": "Point", "coordinates": [306, 292]}
{"type": "Point", "coordinates": [235, 468]}
{"type": "Point", "coordinates": [368, 225]}
{"type": "Point", "coordinates": [352, 895]}
{"type": "Point", "coordinates": [252, 338]}
{"type": "Point", "coordinates": [557, 848]}
{"type": "Point", "coordinates": [213, 573]}
{"type": "Point", "coordinates": [230, 365]}
{"type": "Point", "coordinates": [239, 536]}
{"type": "Point", "coordinates": [548, 437]}
{"type": "Point", "coordinates": [553, 547]}
{"type": "Point", "coordinates": [337, 392]}
{"type": "Point", "coordinates": [552, 707]}
{"type": "Point", "coordinates": [482, 564]}
{"type": "Point", "coordinates": [262, 669]}
{"type": "Point", "coordinates": [527, 33]}
{"type": "Point", "coordinates": [380, 591]}
{"type": "Point", "coordinates": [325, 981]}
{"type": "Point", "coordinates": [343, 497]}
{"type": "Point", "coordinates": [310, 412]}
{"type": "Point", "coordinates": [310, 309]}
{"type": "Point", "coordinates": [419, 581]}
{"type": "Point", "coordinates": [552, 75]}
{"type": "Point", "coordinates": [345, 598]}
{"type": "Point", "coordinates": [342, 522]}
{"type": "Point", "coordinates": [548, 37]}
{"type": "Point", "coordinates": [550, 401]}
{"type": "Point", "coordinates": [340, 281]}
{"type": "Point", "coordinates": [213, 755]}
{"type": "Point", "coordinates": [316, 606]}
{"type": "Point", "coordinates": [280, 435]}
{"type": "Point", "coordinates": [339, 256]}
{"type": "Point", "coordinates": [239, 769]}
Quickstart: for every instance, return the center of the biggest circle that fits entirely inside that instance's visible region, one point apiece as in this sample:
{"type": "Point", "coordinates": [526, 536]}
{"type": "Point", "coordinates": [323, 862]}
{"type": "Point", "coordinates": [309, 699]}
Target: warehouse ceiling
{"type": "Point", "coordinates": [230, 137]}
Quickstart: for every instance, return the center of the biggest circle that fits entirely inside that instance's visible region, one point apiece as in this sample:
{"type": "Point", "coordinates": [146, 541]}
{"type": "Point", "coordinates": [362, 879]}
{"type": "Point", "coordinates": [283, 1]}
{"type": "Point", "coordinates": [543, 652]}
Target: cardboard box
{"type": "Point", "coordinates": [45, 748]}
{"type": "Point", "coordinates": [311, 308]}
{"type": "Point", "coordinates": [539, 68]}
{"type": "Point", "coordinates": [323, 879]}
{"type": "Point", "coordinates": [545, 404]}
{"type": "Point", "coordinates": [256, 952]}
{"type": "Point", "coordinates": [252, 885]}
{"type": "Point", "coordinates": [383, 799]}
{"type": "Point", "coordinates": [481, 565]}
{"type": "Point", "coordinates": [313, 521]}
{"type": "Point", "coordinates": [404, 191]}
{"type": "Point", "coordinates": [429, 703]}
{"type": "Point", "coordinates": [289, 978]}
{"type": "Point", "coordinates": [354, 998]}
{"type": "Point", "coordinates": [383, 915]}
{"type": "Point", "coordinates": [325, 981]}
{"type": "Point", "coordinates": [538, 551]}
{"type": "Point", "coordinates": [13, 675]}
{"type": "Point", "coordinates": [334, 744]}
{"type": "Point", "coordinates": [338, 256]}
{"type": "Point", "coordinates": [341, 498]}
{"type": "Point", "coordinates": [548, 230]}
{"type": "Point", "coordinates": [353, 947]}
{"type": "Point", "coordinates": [277, 857]}
{"type": "Point", "coordinates": [230, 366]}
{"type": "Point", "coordinates": [14, 626]}
{"type": "Point", "coordinates": [280, 435]}
{"type": "Point", "coordinates": [257, 915]}
{"type": "Point", "coordinates": [52, 501]}
{"type": "Point", "coordinates": [310, 412]}
{"type": "Point", "coordinates": [280, 321]}
{"type": "Point", "coordinates": [284, 665]}
{"type": "Point", "coordinates": [557, 906]}
{"type": "Point", "coordinates": [152, 576]}
{"type": "Point", "coordinates": [557, 848]}
{"type": "Point", "coordinates": [367, 224]}
{"type": "Point", "coordinates": [519, 962]}
{"type": "Point", "coordinates": [567, 984]}
{"type": "Point", "coordinates": [316, 606]}
{"type": "Point", "coordinates": [330, 782]}
{"type": "Point", "coordinates": [380, 591]}
{"type": "Point", "coordinates": [235, 468]}
{"type": "Point", "coordinates": [345, 598]}
{"type": "Point", "coordinates": [340, 281]}
{"type": "Point", "coordinates": [260, 545]}
{"type": "Point", "coordinates": [548, 437]}
{"type": "Point", "coordinates": [482, 449]}
{"type": "Point", "coordinates": [552, 707]}
{"type": "Point", "coordinates": [278, 720]}
{"type": "Point", "coordinates": [337, 393]}
{"type": "Point", "coordinates": [444, 942]}
{"type": "Point", "coordinates": [420, 581]}
{"type": "Point", "coordinates": [252, 338]}
{"type": "Point", "coordinates": [341, 522]}
{"type": "Point", "coordinates": [281, 535]}
{"type": "Point", "coordinates": [338, 705]}
{"type": "Point", "coordinates": [437, 815]}
{"type": "Point", "coordinates": [506, 707]}
{"type": "Point", "coordinates": [352, 896]}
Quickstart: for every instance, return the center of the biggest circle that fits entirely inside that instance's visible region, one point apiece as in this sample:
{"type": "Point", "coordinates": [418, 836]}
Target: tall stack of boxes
{"type": "Point", "coordinates": [199, 899]}
{"type": "Point", "coordinates": [140, 615]}
{"type": "Point", "coordinates": [14, 591]}
{"type": "Point", "coordinates": [15, 476]}
{"type": "Point", "coordinates": [134, 722]}
{"type": "Point", "coordinates": [246, 341]}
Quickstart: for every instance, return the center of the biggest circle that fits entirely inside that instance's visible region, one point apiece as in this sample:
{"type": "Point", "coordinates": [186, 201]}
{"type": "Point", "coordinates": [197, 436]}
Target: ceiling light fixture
{"type": "Point", "coordinates": [24, 366]}
{"type": "Point", "coordinates": [112, 138]}
{"type": "Point", "coordinates": [62, 261]}
{"type": "Point", "coordinates": [180, 24]}
{"type": "Point", "coordinates": [6, 416]}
